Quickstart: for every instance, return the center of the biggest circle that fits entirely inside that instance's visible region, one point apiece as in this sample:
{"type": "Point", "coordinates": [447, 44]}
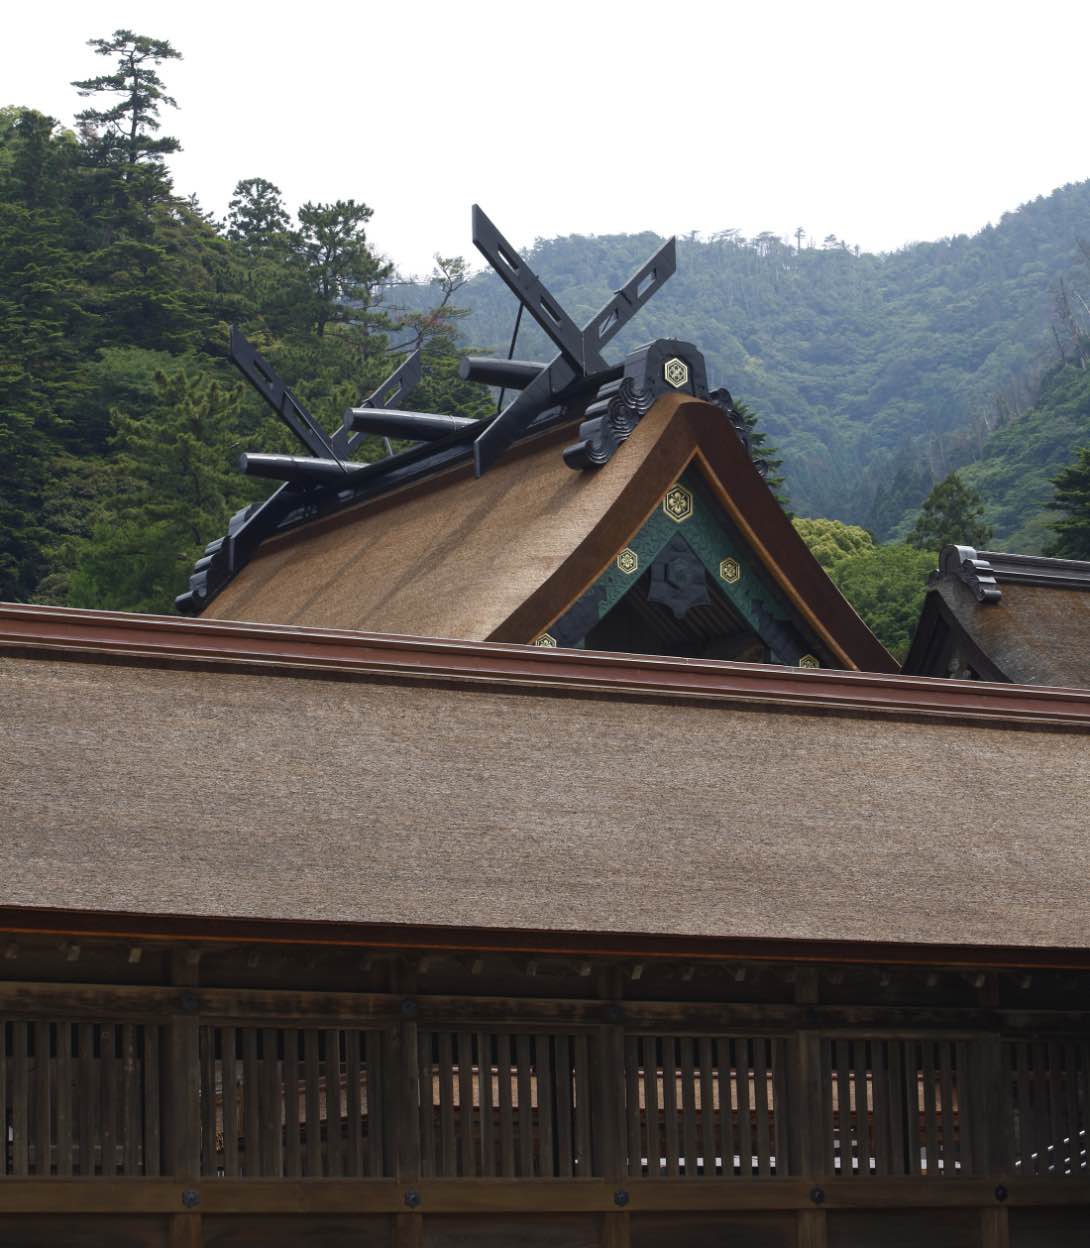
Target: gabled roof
{"type": "Point", "coordinates": [502, 557]}
{"type": "Point", "coordinates": [1001, 616]}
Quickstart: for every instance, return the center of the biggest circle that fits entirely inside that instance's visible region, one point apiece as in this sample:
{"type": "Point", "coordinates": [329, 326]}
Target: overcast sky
{"type": "Point", "coordinates": [882, 123]}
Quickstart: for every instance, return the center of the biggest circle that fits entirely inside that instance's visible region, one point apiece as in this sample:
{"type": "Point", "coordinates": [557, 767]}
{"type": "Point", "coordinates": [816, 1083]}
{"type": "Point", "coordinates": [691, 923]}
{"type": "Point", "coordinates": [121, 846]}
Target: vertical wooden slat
{"type": "Point", "coordinates": [546, 1164]}
{"type": "Point", "coordinates": [584, 1158]}
{"type": "Point", "coordinates": [726, 1104]}
{"type": "Point", "coordinates": [880, 1101]}
{"type": "Point", "coordinates": [1055, 1107]}
{"type": "Point", "coordinates": [20, 1101]}
{"type": "Point", "coordinates": [1025, 1113]}
{"type": "Point", "coordinates": [706, 1076]}
{"type": "Point", "coordinates": [963, 1096]}
{"type": "Point", "coordinates": [927, 1065]}
{"type": "Point", "coordinates": [655, 1161]}
{"type": "Point", "coordinates": [3, 1098]}
{"type": "Point", "coordinates": [229, 1084]}
{"type": "Point", "coordinates": [844, 1108]}
{"type": "Point", "coordinates": [760, 1094]}
{"type": "Point", "coordinates": [780, 1108]}
{"type": "Point", "coordinates": [1041, 1107]}
{"type": "Point", "coordinates": [152, 1103]}
{"type": "Point", "coordinates": [507, 1131]}
{"type": "Point", "coordinates": [745, 1127]}
{"type": "Point", "coordinates": [669, 1105]}
{"type": "Point", "coordinates": [911, 1072]}
{"type": "Point", "coordinates": [467, 1133]}
{"type": "Point", "coordinates": [88, 1098]}
{"type": "Point", "coordinates": [353, 1157]}
{"type": "Point", "coordinates": [1071, 1099]}
{"type": "Point", "coordinates": [333, 1138]}
{"type": "Point", "coordinates": [207, 1048]}
{"type": "Point", "coordinates": [42, 1100]}
{"type": "Point", "coordinates": [525, 1108]}
{"type": "Point", "coordinates": [632, 1106]}
{"type": "Point", "coordinates": [893, 1093]}
{"type": "Point", "coordinates": [251, 1098]}
{"type": "Point", "coordinates": [377, 1153]}
{"type": "Point", "coordinates": [688, 1106]}
{"type": "Point", "coordinates": [293, 1134]}
{"type": "Point", "coordinates": [563, 1077]}
{"type": "Point", "coordinates": [449, 1155]}
{"type": "Point", "coordinates": [488, 1126]}
{"type": "Point", "coordinates": [63, 1092]}
{"type": "Point", "coordinates": [272, 1112]}
{"type": "Point", "coordinates": [108, 1049]}
{"type": "Point", "coordinates": [313, 1102]}
{"type": "Point", "coordinates": [862, 1108]}
{"type": "Point", "coordinates": [946, 1085]}
{"type": "Point", "coordinates": [425, 1040]}
{"type": "Point", "coordinates": [130, 1101]}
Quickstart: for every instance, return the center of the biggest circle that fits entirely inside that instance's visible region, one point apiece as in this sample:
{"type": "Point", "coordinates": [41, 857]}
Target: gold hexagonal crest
{"type": "Point", "coordinates": [678, 503]}
{"type": "Point", "coordinates": [730, 570]}
{"type": "Point", "coordinates": [676, 372]}
{"type": "Point", "coordinates": [546, 639]}
{"type": "Point", "coordinates": [808, 660]}
{"type": "Point", "coordinates": [628, 561]}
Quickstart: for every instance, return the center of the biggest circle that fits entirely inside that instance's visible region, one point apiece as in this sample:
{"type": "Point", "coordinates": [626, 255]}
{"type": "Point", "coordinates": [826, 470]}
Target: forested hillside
{"type": "Point", "coordinates": [876, 375]}
{"type": "Point", "coordinates": [120, 417]}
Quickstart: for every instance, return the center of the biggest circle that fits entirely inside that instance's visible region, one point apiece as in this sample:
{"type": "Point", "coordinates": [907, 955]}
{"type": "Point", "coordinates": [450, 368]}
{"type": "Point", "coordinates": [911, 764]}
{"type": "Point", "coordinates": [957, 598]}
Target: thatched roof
{"type": "Point", "coordinates": [166, 768]}
{"type": "Point", "coordinates": [502, 557]}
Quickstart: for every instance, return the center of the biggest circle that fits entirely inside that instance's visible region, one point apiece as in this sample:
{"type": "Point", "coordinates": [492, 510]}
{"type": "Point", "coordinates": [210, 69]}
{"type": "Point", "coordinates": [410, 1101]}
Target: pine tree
{"type": "Point", "coordinates": [952, 514]}
{"type": "Point", "coordinates": [125, 130]}
{"type": "Point", "coordinates": [1073, 497]}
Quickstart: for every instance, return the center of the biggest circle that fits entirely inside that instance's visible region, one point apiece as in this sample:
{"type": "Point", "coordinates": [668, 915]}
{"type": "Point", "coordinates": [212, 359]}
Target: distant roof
{"type": "Point", "coordinates": [501, 557]}
{"type": "Point", "coordinates": [217, 772]}
{"type": "Point", "coordinates": [1001, 616]}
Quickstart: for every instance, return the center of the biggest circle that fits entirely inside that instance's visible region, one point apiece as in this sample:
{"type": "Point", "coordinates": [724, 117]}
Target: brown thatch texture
{"type": "Point", "coordinates": [1035, 634]}
{"type": "Point", "coordinates": [502, 557]}
{"type": "Point", "coordinates": [203, 792]}
{"type": "Point", "coordinates": [451, 561]}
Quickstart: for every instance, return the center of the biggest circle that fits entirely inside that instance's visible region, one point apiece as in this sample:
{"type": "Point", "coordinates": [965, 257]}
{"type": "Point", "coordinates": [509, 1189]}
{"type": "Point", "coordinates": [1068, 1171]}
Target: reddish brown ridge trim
{"type": "Point", "coordinates": [91, 635]}
{"type": "Point", "coordinates": [203, 929]}
{"type": "Point", "coordinates": [694, 431]}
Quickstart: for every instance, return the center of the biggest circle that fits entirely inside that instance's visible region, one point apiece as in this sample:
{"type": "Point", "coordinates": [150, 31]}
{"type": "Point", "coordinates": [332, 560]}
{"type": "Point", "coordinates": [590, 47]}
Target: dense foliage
{"type": "Point", "coordinates": [120, 419]}
{"type": "Point", "coordinates": [888, 383]}
{"type": "Point", "coordinates": [875, 375]}
{"type": "Point", "coordinates": [953, 513]}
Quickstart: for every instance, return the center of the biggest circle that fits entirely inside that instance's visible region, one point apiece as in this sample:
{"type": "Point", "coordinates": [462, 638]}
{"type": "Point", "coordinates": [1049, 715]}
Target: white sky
{"type": "Point", "coordinates": [880, 123]}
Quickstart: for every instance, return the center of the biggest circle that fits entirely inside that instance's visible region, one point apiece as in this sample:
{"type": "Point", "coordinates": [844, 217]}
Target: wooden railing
{"type": "Point", "coordinates": [273, 1097]}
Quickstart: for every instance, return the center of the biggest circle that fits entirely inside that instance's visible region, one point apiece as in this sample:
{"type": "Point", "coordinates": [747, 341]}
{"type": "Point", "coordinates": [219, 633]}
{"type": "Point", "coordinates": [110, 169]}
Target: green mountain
{"type": "Point", "coordinates": [875, 375]}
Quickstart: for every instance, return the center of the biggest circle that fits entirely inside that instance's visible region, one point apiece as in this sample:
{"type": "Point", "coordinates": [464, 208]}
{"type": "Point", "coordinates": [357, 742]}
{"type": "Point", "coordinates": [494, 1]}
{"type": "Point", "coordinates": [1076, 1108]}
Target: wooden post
{"type": "Point", "coordinates": [615, 1229]}
{"type": "Point", "coordinates": [180, 1098]}
{"type": "Point", "coordinates": [408, 1227]}
{"type": "Point", "coordinates": [994, 1228]}
{"type": "Point", "coordinates": [808, 1127]}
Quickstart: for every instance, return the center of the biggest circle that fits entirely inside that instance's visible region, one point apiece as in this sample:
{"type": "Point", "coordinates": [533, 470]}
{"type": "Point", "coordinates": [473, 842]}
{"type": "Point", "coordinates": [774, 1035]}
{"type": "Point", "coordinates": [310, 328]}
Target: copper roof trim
{"type": "Point", "coordinates": [94, 635]}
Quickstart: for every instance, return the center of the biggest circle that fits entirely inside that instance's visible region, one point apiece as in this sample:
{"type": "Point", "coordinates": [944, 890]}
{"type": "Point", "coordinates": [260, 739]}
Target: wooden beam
{"type": "Point", "coordinates": [483, 1196]}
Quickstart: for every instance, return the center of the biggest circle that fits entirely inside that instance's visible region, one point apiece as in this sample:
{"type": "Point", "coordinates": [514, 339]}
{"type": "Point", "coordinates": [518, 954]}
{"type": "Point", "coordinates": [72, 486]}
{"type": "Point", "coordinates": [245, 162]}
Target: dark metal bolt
{"type": "Point", "coordinates": [190, 1002]}
{"type": "Point", "coordinates": [1001, 1193]}
{"type": "Point", "coordinates": [620, 1197]}
{"type": "Point", "coordinates": [614, 1014]}
{"type": "Point", "coordinates": [408, 1008]}
{"type": "Point", "coordinates": [817, 1195]}
{"type": "Point", "coordinates": [190, 1198]}
{"type": "Point", "coordinates": [413, 1198]}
